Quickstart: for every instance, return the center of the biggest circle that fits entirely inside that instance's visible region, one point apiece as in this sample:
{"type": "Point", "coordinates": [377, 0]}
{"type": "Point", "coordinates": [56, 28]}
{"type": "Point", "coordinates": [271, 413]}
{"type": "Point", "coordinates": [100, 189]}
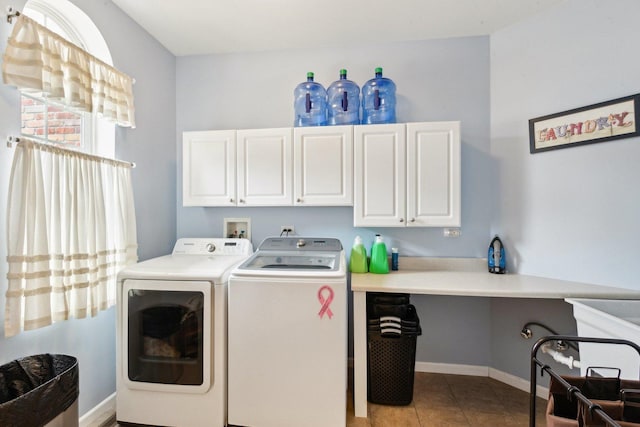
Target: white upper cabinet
{"type": "Point", "coordinates": [255, 167]}
{"type": "Point", "coordinates": [209, 168]}
{"type": "Point", "coordinates": [323, 166]}
{"type": "Point", "coordinates": [407, 175]}
{"type": "Point", "coordinates": [395, 175]}
{"type": "Point", "coordinates": [379, 175]}
{"type": "Point", "coordinates": [237, 168]}
{"type": "Point", "coordinates": [433, 174]}
{"type": "Point", "coordinates": [264, 168]}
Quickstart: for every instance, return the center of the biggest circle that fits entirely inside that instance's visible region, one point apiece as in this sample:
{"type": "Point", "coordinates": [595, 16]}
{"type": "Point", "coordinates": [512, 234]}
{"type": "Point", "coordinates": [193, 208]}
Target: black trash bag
{"type": "Point", "coordinates": [36, 389]}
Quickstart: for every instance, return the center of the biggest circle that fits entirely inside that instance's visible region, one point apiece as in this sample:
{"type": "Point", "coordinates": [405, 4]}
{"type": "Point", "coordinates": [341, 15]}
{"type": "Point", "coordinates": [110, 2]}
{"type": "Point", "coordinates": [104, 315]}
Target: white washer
{"type": "Point", "coordinates": [288, 335]}
{"type": "Point", "coordinates": [171, 335]}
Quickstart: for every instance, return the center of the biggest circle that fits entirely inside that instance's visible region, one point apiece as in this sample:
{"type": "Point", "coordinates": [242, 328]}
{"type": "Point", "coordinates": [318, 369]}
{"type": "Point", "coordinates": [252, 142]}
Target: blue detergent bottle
{"type": "Point", "coordinates": [310, 103]}
{"type": "Point", "coordinates": [379, 100]}
{"type": "Point", "coordinates": [343, 101]}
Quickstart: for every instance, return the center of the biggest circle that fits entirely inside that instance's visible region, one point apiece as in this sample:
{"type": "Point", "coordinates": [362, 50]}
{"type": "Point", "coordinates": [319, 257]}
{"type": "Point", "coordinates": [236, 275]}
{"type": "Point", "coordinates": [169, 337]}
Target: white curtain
{"type": "Point", "coordinates": [71, 227]}
{"type": "Point", "coordinates": [37, 59]}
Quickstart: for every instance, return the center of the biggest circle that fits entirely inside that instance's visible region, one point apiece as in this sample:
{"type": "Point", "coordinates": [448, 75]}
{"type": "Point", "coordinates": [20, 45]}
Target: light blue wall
{"type": "Point", "coordinates": [436, 80]}
{"type": "Point", "coordinates": [151, 146]}
{"type": "Point", "coordinates": [572, 213]}
{"type": "Point", "coordinates": [553, 211]}
{"type": "Point", "coordinates": [567, 214]}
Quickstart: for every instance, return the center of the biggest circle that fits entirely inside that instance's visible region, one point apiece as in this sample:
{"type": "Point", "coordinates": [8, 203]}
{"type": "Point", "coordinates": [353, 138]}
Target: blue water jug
{"type": "Point", "coordinates": [379, 100]}
{"type": "Point", "coordinates": [343, 101]}
{"type": "Point", "coordinates": [310, 103]}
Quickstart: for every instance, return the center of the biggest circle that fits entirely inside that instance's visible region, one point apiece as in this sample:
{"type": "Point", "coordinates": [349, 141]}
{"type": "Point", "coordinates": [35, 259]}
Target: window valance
{"type": "Point", "coordinates": [37, 59]}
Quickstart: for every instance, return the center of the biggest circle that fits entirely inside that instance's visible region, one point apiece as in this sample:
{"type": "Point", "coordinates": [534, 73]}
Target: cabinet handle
{"type": "Point", "coordinates": [401, 219]}
{"type": "Point", "coordinates": [241, 200]}
{"type": "Point", "coordinates": [413, 220]}
{"type": "Point", "coordinates": [299, 200]}
{"type": "Point", "coordinates": [231, 200]}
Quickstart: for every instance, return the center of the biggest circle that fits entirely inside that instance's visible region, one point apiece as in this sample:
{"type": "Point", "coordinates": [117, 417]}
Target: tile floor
{"type": "Point", "coordinates": [441, 400]}
{"type": "Point", "coordinates": [454, 401]}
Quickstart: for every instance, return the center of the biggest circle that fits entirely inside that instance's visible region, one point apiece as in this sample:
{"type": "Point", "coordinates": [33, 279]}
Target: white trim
{"type": "Point", "coordinates": [517, 382]}
{"type": "Point", "coordinates": [451, 368]}
{"type": "Point", "coordinates": [101, 414]}
{"type": "Point", "coordinates": [481, 371]}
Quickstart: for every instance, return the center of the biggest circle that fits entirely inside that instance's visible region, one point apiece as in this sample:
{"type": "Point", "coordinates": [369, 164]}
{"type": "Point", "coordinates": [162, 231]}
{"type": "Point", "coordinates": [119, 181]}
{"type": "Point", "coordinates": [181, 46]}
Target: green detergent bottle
{"type": "Point", "coordinates": [358, 258]}
{"type": "Point", "coordinates": [379, 261]}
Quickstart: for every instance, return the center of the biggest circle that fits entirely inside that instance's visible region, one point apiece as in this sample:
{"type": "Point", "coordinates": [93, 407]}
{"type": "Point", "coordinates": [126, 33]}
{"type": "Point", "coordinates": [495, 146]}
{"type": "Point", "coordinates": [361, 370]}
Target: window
{"type": "Point", "coordinates": [52, 123]}
{"type": "Point", "coordinates": [66, 265]}
{"type": "Point", "coordinates": [47, 121]}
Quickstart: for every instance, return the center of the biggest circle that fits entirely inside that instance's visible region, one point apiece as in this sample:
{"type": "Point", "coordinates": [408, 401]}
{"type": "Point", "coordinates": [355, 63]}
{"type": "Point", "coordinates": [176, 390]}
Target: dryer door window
{"type": "Point", "coordinates": [165, 336]}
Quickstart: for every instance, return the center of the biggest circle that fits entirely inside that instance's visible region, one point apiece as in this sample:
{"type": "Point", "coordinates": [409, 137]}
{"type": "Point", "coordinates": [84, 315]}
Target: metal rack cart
{"type": "Point", "coordinates": [593, 410]}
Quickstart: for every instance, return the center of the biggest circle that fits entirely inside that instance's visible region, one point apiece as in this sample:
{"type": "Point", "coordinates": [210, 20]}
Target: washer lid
{"type": "Point", "coordinates": [319, 261]}
{"type": "Point", "coordinates": [295, 257]}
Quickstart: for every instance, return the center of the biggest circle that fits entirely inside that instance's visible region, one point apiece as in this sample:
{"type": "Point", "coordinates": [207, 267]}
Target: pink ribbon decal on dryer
{"type": "Point", "coordinates": [326, 302]}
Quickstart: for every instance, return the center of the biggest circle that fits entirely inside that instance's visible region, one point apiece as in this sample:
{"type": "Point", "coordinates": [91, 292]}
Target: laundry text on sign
{"type": "Point", "coordinates": [588, 126]}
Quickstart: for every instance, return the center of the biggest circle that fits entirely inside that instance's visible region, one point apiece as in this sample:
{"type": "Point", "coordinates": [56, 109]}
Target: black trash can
{"type": "Point", "coordinates": [36, 389]}
{"type": "Point", "coordinates": [393, 327]}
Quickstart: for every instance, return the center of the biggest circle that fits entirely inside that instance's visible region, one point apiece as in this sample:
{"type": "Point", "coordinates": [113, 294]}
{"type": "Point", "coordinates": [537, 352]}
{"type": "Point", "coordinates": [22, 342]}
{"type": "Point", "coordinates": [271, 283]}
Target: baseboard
{"type": "Point", "coordinates": [451, 368]}
{"type": "Point", "coordinates": [481, 371]}
{"type": "Point", "coordinates": [103, 414]}
{"type": "Point", "coordinates": [517, 382]}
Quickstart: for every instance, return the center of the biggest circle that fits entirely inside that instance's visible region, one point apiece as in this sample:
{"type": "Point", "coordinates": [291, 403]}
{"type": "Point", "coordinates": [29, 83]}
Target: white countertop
{"type": "Point", "coordinates": [469, 277]}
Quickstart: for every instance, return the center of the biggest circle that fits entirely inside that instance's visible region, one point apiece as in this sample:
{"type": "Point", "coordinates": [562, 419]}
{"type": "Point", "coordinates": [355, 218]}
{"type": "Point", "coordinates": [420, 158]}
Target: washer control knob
{"type": "Point", "coordinates": [211, 247]}
{"type": "Point", "coordinates": [301, 243]}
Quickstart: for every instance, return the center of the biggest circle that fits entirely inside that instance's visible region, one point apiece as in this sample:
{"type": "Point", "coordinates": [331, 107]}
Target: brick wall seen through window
{"type": "Point", "coordinates": [49, 122]}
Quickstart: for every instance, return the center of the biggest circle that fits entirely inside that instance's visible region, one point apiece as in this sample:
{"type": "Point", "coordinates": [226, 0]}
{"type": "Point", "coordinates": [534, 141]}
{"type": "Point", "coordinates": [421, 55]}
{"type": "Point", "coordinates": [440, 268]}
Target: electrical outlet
{"type": "Point", "coordinates": [286, 230]}
{"type": "Point", "coordinates": [452, 232]}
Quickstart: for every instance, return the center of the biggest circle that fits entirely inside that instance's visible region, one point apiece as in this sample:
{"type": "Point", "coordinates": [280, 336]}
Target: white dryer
{"type": "Point", "coordinates": [288, 335]}
{"type": "Point", "coordinates": [171, 335]}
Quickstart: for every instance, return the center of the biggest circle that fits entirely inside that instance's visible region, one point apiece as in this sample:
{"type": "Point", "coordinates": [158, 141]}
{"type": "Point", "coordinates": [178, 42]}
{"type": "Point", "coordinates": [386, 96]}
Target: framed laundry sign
{"type": "Point", "coordinates": [601, 122]}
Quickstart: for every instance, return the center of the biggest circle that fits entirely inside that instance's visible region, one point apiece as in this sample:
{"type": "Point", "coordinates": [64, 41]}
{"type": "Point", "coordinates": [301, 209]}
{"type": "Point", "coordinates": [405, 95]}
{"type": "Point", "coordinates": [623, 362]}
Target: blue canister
{"type": "Point", "coordinates": [394, 259]}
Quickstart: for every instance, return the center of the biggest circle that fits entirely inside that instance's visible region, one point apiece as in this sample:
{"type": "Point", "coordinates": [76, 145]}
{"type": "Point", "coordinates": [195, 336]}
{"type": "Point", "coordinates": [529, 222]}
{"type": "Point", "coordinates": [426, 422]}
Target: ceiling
{"type": "Point", "coordinates": [196, 27]}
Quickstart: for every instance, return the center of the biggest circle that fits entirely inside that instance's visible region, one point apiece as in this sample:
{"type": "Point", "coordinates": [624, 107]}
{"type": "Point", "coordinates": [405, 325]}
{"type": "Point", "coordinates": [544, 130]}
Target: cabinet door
{"type": "Point", "coordinates": [209, 168]}
{"type": "Point", "coordinates": [379, 175]}
{"type": "Point", "coordinates": [433, 174]}
{"type": "Point", "coordinates": [323, 166]}
{"type": "Point", "coordinates": [265, 167]}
